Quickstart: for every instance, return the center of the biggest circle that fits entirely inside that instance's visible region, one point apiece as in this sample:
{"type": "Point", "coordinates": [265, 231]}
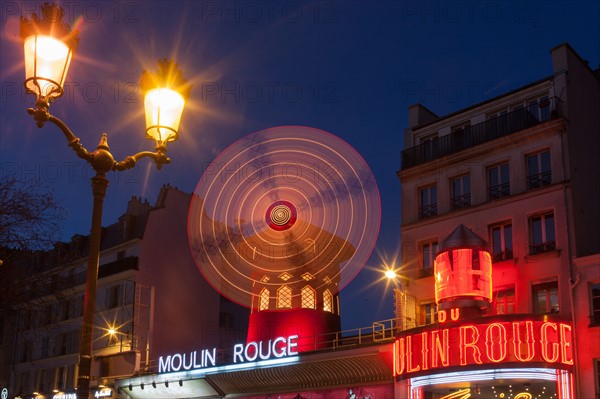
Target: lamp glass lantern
{"type": "Point", "coordinates": [47, 61]}
{"type": "Point", "coordinates": [165, 93]}
{"type": "Point", "coordinates": [48, 45]}
{"type": "Point", "coordinates": [163, 108]}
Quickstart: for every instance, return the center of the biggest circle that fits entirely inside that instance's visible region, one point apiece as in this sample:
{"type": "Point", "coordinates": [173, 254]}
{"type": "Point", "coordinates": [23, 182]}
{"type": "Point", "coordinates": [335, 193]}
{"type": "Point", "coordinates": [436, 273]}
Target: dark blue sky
{"type": "Point", "coordinates": [347, 67]}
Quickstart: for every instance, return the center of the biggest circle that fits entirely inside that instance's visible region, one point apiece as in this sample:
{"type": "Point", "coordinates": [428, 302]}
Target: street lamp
{"type": "Point", "coordinates": [49, 46]}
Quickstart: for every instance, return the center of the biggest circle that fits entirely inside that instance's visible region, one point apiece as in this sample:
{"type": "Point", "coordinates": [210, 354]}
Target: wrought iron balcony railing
{"type": "Point", "coordinates": [547, 246]}
{"type": "Point", "coordinates": [499, 191]}
{"type": "Point", "coordinates": [470, 136]}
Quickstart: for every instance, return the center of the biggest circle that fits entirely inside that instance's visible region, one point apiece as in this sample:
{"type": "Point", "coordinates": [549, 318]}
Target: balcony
{"type": "Point", "coordinates": [539, 180]}
{"type": "Point", "coordinates": [480, 133]}
{"type": "Point", "coordinates": [428, 210]}
{"type": "Point", "coordinates": [502, 256]}
{"type": "Point", "coordinates": [498, 191]}
{"type": "Point", "coordinates": [461, 201]}
{"type": "Point", "coordinates": [548, 246]}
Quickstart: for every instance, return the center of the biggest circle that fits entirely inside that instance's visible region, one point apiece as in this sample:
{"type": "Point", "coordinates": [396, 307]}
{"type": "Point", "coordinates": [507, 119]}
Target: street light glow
{"type": "Point", "coordinates": [390, 274]}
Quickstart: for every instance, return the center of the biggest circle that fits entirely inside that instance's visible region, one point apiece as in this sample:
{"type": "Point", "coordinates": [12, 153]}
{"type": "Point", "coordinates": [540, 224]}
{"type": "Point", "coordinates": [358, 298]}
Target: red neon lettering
{"type": "Point", "coordinates": [442, 316]}
{"type": "Point", "coordinates": [565, 344]}
{"type": "Point", "coordinates": [409, 358]}
{"type": "Point", "coordinates": [399, 354]}
{"type": "Point", "coordinates": [424, 350]}
{"type": "Point", "coordinates": [464, 345]}
{"type": "Point", "coordinates": [440, 349]}
{"type": "Point", "coordinates": [544, 341]}
{"type": "Point", "coordinates": [495, 335]}
{"type": "Point", "coordinates": [518, 343]}
{"type": "Point", "coordinates": [455, 314]}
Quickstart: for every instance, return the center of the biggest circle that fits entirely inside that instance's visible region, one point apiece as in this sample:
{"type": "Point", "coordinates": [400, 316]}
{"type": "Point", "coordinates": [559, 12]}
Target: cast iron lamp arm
{"type": "Point", "coordinates": [158, 156]}
{"type": "Point", "coordinates": [101, 160]}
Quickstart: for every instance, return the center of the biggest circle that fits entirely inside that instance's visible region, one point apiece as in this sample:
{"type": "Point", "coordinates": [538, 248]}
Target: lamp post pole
{"type": "Point", "coordinates": [49, 46]}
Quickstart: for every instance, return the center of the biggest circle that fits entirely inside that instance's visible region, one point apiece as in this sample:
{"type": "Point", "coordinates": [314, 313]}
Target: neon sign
{"type": "Point", "coordinates": [276, 348]}
{"type": "Point", "coordinates": [103, 393]}
{"type": "Point", "coordinates": [509, 340]}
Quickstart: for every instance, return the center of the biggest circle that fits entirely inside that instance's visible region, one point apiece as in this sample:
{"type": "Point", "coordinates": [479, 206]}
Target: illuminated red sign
{"type": "Point", "coordinates": [508, 340]}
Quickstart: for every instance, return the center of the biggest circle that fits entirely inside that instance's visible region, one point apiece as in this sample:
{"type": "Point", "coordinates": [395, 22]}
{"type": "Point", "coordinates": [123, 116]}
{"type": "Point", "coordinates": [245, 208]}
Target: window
{"type": "Point", "coordinates": [44, 377]}
{"type": "Point", "coordinates": [505, 302]}
{"type": "Point", "coordinates": [429, 146]}
{"type": "Point", "coordinates": [113, 297]}
{"type": "Point", "coordinates": [539, 172]}
{"type": "Point", "coordinates": [284, 297]}
{"type": "Point", "coordinates": [498, 181]}
{"type": "Point", "coordinates": [309, 298]}
{"type": "Point", "coordinates": [59, 378]}
{"type": "Point", "coordinates": [545, 298]}
{"type": "Point", "coordinates": [77, 307]}
{"type": "Point", "coordinates": [541, 233]}
{"type": "Point", "coordinates": [428, 196]}
{"type": "Point", "coordinates": [428, 250]}
{"type": "Point", "coordinates": [264, 299]}
{"type": "Point", "coordinates": [461, 191]}
{"type": "Point", "coordinates": [428, 313]}
{"type": "Point", "coordinates": [501, 240]}
{"type": "Point", "coordinates": [327, 301]}
{"type": "Point", "coordinates": [595, 304]}
{"type": "Point", "coordinates": [540, 109]}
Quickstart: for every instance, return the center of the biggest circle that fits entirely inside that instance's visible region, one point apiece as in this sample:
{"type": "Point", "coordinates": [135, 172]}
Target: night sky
{"type": "Point", "coordinates": [350, 68]}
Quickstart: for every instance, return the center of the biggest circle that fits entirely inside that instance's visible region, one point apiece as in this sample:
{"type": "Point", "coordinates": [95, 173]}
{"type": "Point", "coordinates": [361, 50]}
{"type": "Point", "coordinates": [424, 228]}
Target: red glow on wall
{"type": "Point", "coordinates": [315, 328]}
{"type": "Point", "coordinates": [514, 340]}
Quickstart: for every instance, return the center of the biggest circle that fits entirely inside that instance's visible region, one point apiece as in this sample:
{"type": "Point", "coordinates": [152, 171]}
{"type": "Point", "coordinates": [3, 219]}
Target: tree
{"type": "Point", "coordinates": [30, 217]}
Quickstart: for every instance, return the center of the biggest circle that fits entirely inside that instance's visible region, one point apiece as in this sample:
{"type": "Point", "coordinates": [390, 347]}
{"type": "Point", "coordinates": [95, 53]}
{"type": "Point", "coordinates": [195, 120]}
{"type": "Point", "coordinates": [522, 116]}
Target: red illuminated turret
{"type": "Point", "coordinates": [463, 272]}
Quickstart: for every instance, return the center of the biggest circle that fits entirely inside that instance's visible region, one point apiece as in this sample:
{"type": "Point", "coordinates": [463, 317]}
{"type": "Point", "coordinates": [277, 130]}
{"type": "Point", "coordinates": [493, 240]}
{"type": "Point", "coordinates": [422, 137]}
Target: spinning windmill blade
{"type": "Point", "coordinates": [283, 204]}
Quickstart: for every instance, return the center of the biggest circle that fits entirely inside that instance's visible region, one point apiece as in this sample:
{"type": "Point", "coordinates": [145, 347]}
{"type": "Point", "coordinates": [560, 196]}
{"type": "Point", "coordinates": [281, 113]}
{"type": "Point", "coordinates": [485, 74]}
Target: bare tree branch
{"type": "Point", "coordinates": [30, 217]}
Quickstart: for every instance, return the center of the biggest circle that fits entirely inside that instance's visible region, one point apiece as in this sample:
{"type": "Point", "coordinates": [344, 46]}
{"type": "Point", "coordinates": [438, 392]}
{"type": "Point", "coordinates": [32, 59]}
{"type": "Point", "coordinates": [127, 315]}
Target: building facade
{"type": "Point", "coordinates": [518, 171]}
{"type": "Point", "coordinates": [150, 298]}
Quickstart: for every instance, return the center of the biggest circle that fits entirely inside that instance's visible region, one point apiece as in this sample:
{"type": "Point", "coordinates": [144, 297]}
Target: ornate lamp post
{"type": "Point", "coordinates": [49, 46]}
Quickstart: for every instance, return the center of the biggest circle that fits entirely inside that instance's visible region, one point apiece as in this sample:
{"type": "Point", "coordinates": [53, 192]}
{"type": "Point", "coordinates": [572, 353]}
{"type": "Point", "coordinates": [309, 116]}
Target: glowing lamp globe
{"type": "Point", "coordinates": [163, 114]}
{"type": "Point", "coordinates": [48, 46]}
{"type": "Point", "coordinates": [165, 93]}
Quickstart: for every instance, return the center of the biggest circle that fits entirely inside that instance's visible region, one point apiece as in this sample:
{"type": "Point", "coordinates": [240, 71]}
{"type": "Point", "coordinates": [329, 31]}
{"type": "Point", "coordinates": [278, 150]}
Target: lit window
{"type": "Point", "coordinates": [541, 233]}
{"type": "Point", "coordinates": [264, 299]}
{"type": "Point", "coordinates": [539, 172]}
{"type": "Point", "coordinates": [498, 181]}
{"type": "Point", "coordinates": [428, 251]}
{"type": "Point", "coordinates": [307, 276]}
{"type": "Point", "coordinates": [505, 302]}
{"type": "Point", "coordinates": [428, 197]}
{"type": "Point", "coordinates": [501, 240]}
{"type": "Point", "coordinates": [309, 300]}
{"type": "Point", "coordinates": [595, 304]}
{"type": "Point", "coordinates": [284, 297]}
{"type": "Point", "coordinates": [461, 191]}
{"type": "Point", "coordinates": [327, 301]}
{"type": "Point", "coordinates": [285, 276]}
{"type": "Point", "coordinates": [545, 298]}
